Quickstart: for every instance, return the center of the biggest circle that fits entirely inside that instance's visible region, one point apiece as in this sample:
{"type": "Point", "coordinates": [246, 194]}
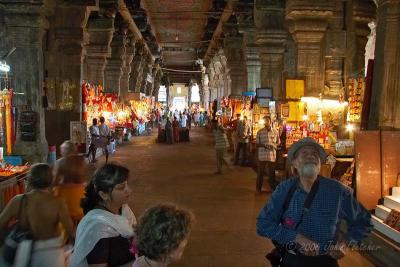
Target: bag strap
{"type": "Point", "coordinates": [307, 203]}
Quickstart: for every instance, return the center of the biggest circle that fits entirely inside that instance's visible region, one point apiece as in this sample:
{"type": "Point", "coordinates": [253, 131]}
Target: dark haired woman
{"type": "Point", "coordinates": [163, 233]}
{"type": "Point", "coordinates": [103, 235]}
{"type": "Point", "coordinates": [41, 213]}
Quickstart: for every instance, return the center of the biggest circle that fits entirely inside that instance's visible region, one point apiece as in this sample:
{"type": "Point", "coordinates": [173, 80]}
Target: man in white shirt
{"type": "Point", "coordinates": [267, 141]}
{"type": "Point", "coordinates": [105, 136]}
{"type": "Point", "coordinates": [94, 139]}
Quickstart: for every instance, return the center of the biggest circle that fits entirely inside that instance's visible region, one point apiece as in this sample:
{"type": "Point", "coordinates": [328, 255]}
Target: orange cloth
{"type": "Point", "coordinates": [72, 194]}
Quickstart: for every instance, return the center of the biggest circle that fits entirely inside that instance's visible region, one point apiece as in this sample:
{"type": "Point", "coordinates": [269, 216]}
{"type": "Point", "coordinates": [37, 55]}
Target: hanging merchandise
{"type": "Point", "coordinates": [97, 104]}
{"type": "Point", "coordinates": [356, 88]}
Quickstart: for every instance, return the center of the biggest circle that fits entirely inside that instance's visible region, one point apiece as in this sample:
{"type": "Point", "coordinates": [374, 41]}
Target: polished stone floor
{"type": "Point", "coordinates": [225, 206]}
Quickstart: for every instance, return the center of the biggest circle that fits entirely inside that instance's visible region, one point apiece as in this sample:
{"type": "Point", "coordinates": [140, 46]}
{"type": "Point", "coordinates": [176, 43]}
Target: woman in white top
{"type": "Point", "coordinates": [104, 235]}
{"type": "Point", "coordinates": [162, 235]}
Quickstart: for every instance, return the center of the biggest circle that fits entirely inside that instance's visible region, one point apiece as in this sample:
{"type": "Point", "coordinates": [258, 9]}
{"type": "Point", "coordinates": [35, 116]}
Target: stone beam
{"type": "Point", "coordinates": [308, 21]}
{"type": "Point", "coordinates": [385, 105]}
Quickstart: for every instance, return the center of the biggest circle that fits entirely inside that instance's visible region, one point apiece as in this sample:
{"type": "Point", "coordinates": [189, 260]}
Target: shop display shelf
{"type": "Point", "coordinates": [392, 202]}
{"type": "Point", "coordinates": [382, 212]}
{"type": "Point", "coordinates": [386, 229]}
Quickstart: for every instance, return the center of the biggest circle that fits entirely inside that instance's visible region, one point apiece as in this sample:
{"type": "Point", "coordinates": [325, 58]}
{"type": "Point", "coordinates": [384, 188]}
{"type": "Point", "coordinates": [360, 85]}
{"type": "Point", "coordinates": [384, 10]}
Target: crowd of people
{"type": "Point", "coordinates": [64, 208]}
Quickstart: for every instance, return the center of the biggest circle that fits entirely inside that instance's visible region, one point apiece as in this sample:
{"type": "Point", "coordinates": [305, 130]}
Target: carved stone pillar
{"type": "Point", "coordinates": [308, 23]}
{"type": "Point", "coordinates": [363, 12]}
{"type": "Point", "coordinates": [137, 66]}
{"type": "Point", "coordinates": [113, 70]}
{"type": "Point", "coordinates": [23, 26]}
{"type": "Point", "coordinates": [157, 83]}
{"type": "Point", "coordinates": [63, 63]}
{"type": "Point", "coordinates": [98, 49]}
{"type": "Point", "coordinates": [334, 53]}
{"type": "Point", "coordinates": [127, 69]}
{"type": "Point", "coordinates": [233, 51]}
{"type": "Point", "coordinates": [206, 91]}
{"type": "Point", "coordinates": [385, 105]}
{"type": "Point", "coordinates": [148, 66]}
{"type": "Point", "coordinates": [248, 29]}
{"type": "Point", "coordinates": [271, 38]}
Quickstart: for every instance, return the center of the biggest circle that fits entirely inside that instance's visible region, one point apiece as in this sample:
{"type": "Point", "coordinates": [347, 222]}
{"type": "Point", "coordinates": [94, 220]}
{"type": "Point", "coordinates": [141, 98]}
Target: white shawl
{"type": "Point", "coordinates": [98, 224]}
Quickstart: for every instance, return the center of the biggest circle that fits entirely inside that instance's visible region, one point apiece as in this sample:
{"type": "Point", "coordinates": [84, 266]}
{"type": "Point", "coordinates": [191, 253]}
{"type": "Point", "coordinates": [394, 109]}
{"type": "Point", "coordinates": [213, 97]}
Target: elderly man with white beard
{"type": "Point", "coordinates": [303, 216]}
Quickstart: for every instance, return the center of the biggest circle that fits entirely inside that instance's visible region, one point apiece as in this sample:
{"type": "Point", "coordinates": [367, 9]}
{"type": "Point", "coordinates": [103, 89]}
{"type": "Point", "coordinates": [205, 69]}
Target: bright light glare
{"type": "Point", "coordinates": [350, 127]}
{"type": "Point", "coordinates": [305, 117]}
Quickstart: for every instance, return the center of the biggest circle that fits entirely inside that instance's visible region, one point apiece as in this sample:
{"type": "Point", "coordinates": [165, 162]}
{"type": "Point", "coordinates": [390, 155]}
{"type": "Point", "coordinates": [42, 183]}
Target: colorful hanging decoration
{"type": "Point", "coordinates": [356, 89]}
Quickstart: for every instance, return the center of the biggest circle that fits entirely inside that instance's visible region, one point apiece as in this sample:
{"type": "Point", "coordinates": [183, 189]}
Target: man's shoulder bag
{"type": "Point", "coordinates": [275, 256]}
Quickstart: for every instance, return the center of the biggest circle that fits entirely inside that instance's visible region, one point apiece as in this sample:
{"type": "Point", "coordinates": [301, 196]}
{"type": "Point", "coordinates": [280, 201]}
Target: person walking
{"type": "Point", "coordinates": [235, 140]}
{"type": "Point", "coordinates": [196, 118]}
{"type": "Point", "coordinates": [267, 141]}
{"type": "Point", "coordinates": [303, 214]}
{"type": "Point", "coordinates": [162, 234]}
{"type": "Point", "coordinates": [221, 144]}
{"type": "Point", "coordinates": [40, 213]}
{"type": "Point", "coordinates": [103, 237]}
{"type": "Point", "coordinates": [105, 136]}
{"type": "Point", "coordinates": [94, 140]}
{"type": "Point", "coordinates": [243, 132]}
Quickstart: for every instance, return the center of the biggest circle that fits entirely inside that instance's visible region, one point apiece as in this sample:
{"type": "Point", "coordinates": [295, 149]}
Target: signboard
{"type": "Point", "coordinates": [78, 132]}
{"type": "Point", "coordinates": [294, 89]}
{"type": "Point", "coordinates": [264, 102]}
{"type": "Point", "coordinates": [266, 92]}
{"type": "Point", "coordinates": [4, 67]}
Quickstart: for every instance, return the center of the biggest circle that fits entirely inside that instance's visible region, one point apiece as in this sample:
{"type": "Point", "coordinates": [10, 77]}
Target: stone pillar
{"type": "Point", "coordinates": [24, 26]}
{"type": "Point", "coordinates": [206, 91]}
{"type": "Point", "coordinates": [100, 31]}
{"type": "Point", "coordinates": [385, 105]}
{"type": "Point", "coordinates": [127, 69]}
{"type": "Point", "coordinates": [334, 53]}
{"type": "Point", "coordinates": [157, 83]}
{"type": "Point", "coordinates": [248, 29]}
{"type": "Point", "coordinates": [271, 38]}
{"type": "Point", "coordinates": [148, 65]}
{"type": "Point", "coordinates": [136, 66]}
{"type": "Point", "coordinates": [113, 70]}
{"type": "Point", "coordinates": [363, 12]}
{"type": "Point", "coordinates": [63, 63]}
{"type": "Point", "coordinates": [233, 51]}
{"type": "Point", "coordinates": [308, 23]}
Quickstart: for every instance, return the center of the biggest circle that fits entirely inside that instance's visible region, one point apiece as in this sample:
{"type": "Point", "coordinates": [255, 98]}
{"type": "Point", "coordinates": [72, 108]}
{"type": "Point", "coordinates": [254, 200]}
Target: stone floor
{"type": "Point", "coordinates": [225, 206]}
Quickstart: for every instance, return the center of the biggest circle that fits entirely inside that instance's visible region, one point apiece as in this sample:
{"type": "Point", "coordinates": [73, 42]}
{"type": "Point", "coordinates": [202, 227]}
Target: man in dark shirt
{"type": "Point", "coordinates": [310, 236]}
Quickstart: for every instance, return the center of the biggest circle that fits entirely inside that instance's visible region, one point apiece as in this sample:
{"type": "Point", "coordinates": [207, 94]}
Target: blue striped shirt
{"type": "Point", "coordinates": [333, 202]}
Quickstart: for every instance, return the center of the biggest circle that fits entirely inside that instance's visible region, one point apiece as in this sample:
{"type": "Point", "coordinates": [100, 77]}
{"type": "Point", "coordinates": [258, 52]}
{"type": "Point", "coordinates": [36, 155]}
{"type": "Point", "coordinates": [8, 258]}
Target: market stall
{"type": "Point", "coordinates": [98, 104]}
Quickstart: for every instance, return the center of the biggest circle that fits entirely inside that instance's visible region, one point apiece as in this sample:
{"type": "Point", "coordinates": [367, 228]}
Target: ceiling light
{"type": "Point", "coordinates": [177, 38]}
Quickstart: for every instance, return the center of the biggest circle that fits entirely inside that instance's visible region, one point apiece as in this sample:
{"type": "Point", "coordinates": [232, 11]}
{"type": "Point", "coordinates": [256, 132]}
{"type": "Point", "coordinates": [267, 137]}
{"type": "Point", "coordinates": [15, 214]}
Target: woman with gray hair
{"type": "Point", "coordinates": [162, 234]}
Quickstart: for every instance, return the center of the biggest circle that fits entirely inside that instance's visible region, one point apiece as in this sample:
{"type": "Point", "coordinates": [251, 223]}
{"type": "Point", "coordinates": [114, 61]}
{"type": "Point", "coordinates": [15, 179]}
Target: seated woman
{"type": "Point", "coordinates": [70, 173]}
{"type": "Point", "coordinates": [103, 237]}
{"type": "Point", "coordinates": [40, 213]}
{"type": "Point", "coordinates": [163, 233]}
